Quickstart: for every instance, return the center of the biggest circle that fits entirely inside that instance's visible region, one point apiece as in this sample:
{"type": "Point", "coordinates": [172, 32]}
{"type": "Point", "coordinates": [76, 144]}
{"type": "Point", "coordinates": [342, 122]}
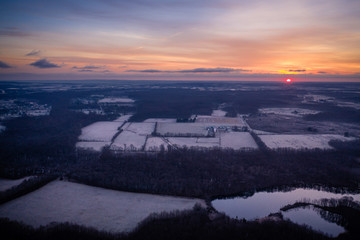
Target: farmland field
{"type": "Point", "coordinates": [309, 141]}
{"type": "Point", "coordinates": [100, 208]}
{"type": "Point", "coordinates": [237, 140]}
{"type": "Point", "coordinates": [99, 131]}
{"type": "Point", "coordinates": [128, 141]}
{"type": "Point", "coordinates": [191, 142]}
{"type": "Point", "coordinates": [181, 129]}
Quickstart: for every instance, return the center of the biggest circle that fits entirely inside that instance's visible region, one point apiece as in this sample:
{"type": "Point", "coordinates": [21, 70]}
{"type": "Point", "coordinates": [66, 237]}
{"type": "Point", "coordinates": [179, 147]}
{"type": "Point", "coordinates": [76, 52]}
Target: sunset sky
{"type": "Point", "coordinates": [180, 39]}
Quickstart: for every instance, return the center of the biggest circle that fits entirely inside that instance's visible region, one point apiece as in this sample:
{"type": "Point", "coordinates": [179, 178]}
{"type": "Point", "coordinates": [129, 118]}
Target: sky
{"type": "Point", "coordinates": [180, 40]}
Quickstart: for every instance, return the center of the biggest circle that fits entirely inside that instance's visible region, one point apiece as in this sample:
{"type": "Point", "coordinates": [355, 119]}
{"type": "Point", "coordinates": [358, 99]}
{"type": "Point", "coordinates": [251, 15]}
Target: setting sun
{"type": "Point", "coordinates": [288, 80]}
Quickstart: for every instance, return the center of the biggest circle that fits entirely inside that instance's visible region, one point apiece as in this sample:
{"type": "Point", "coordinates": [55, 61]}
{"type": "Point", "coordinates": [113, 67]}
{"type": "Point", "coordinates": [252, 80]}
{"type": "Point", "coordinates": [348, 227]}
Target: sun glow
{"type": "Point", "coordinates": [288, 80]}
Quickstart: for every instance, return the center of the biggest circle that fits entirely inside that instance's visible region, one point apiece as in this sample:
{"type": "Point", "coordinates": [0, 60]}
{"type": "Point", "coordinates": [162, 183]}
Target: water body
{"type": "Point", "coordinates": [261, 204]}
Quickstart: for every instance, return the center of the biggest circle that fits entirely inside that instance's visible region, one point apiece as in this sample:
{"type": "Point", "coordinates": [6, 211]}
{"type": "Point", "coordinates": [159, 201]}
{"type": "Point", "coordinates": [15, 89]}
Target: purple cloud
{"type": "Point", "coordinates": [4, 65]}
{"type": "Point", "coordinates": [195, 70]}
{"type": "Point", "coordinates": [44, 63]}
{"type": "Point", "coordinates": [33, 53]}
{"type": "Point", "coordinates": [297, 70]}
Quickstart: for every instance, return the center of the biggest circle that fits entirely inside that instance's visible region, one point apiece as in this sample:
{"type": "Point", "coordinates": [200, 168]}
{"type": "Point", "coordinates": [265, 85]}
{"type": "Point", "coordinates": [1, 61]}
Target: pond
{"type": "Point", "coordinates": [261, 204]}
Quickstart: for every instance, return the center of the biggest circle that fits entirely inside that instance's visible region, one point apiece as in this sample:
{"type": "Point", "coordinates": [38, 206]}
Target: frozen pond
{"type": "Point", "coordinates": [261, 204]}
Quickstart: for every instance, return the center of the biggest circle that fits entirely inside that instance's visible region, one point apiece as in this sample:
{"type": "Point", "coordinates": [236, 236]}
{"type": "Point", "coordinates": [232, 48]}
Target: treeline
{"type": "Point", "coordinates": [344, 211]}
{"type": "Point", "coordinates": [216, 172]}
{"type": "Point", "coordinates": [25, 187]}
{"type": "Point", "coordinates": [194, 224]}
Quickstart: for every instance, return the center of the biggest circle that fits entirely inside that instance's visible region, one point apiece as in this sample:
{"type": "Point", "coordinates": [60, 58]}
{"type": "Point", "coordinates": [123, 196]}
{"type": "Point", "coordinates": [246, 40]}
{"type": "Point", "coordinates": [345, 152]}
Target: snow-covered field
{"type": "Point", "coordinates": [314, 98]}
{"type": "Point", "coordinates": [181, 129]}
{"type": "Point", "coordinates": [192, 142]}
{"type": "Point", "coordinates": [6, 184]}
{"type": "Point", "coordinates": [123, 118]}
{"type": "Point", "coordinates": [309, 141]}
{"type": "Point", "coordinates": [259, 132]}
{"type": "Point", "coordinates": [210, 120]}
{"type": "Point", "coordinates": [116, 100]}
{"type": "Point", "coordinates": [293, 112]}
{"type": "Point", "coordinates": [103, 209]}
{"type": "Point", "coordinates": [234, 140]}
{"type": "Point", "coordinates": [237, 140]}
{"type": "Point", "coordinates": [218, 113]}
{"type": "Point", "coordinates": [94, 146]}
{"type": "Point", "coordinates": [154, 144]}
{"type": "Point", "coordinates": [99, 131]}
{"type": "Point", "coordinates": [162, 120]}
{"type": "Point", "coordinates": [128, 141]}
{"type": "Point", "coordinates": [140, 128]}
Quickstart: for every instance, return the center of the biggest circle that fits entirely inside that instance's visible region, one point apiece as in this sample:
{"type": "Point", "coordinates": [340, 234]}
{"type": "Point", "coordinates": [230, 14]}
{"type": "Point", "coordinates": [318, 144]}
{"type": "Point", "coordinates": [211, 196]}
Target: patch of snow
{"type": "Point", "coordinates": [116, 100]}
{"type": "Point", "coordinates": [140, 128]}
{"type": "Point", "coordinates": [218, 113]}
{"type": "Point", "coordinates": [313, 98]}
{"type": "Point", "coordinates": [220, 120]}
{"type": "Point", "coordinates": [99, 131]}
{"type": "Point", "coordinates": [162, 120]}
{"type": "Point", "coordinates": [123, 118]}
{"type": "Point", "coordinates": [309, 141]}
{"type": "Point", "coordinates": [88, 111]}
{"type": "Point", "coordinates": [209, 140]}
{"type": "Point", "coordinates": [259, 132]}
{"type": "Point", "coordinates": [103, 209]}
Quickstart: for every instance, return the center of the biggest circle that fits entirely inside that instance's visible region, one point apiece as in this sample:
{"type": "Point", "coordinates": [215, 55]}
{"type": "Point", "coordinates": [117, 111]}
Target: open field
{"type": "Point", "coordinates": [100, 208]}
{"type": "Point", "coordinates": [140, 128]}
{"type": "Point", "coordinates": [116, 100]}
{"type": "Point", "coordinates": [218, 113]}
{"type": "Point", "coordinates": [160, 120]}
{"type": "Point", "coordinates": [309, 141]}
{"type": "Point", "coordinates": [99, 131]}
{"type": "Point", "coordinates": [6, 184]}
{"type": "Point", "coordinates": [181, 129]}
{"type": "Point", "coordinates": [220, 120]}
{"type": "Point", "coordinates": [128, 141]}
{"type": "Point", "coordinates": [192, 142]}
{"type": "Point", "coordinates": [123, 118]}
{"type": "Point", "coordinates": [237, 140]}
